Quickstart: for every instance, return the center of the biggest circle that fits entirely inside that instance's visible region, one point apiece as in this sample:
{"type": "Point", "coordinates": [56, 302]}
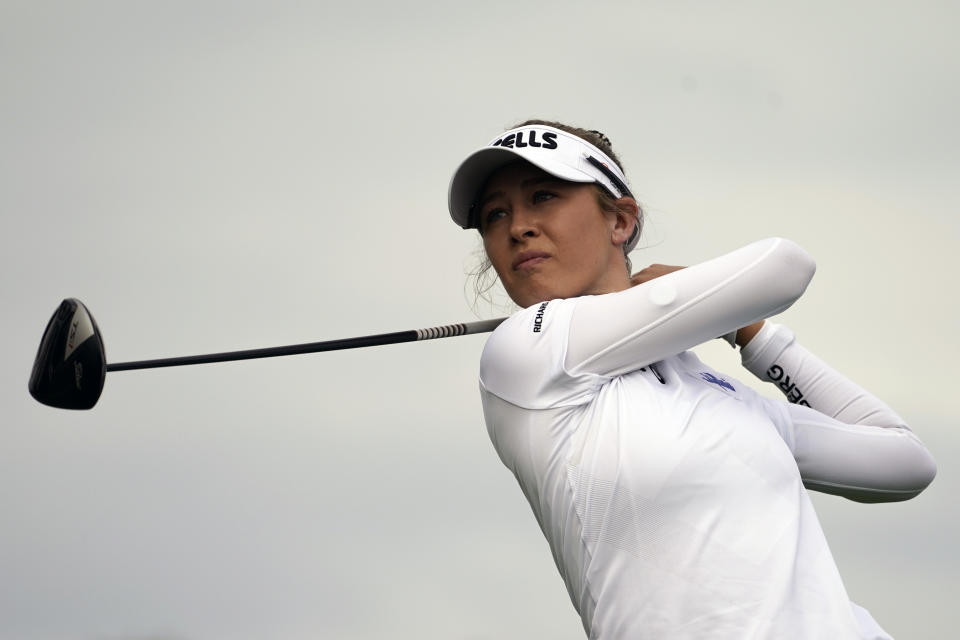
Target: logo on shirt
{"type": "Point", "coordinates": [538, 320]}
{"type": "Point", "coordinates": [720, 382]}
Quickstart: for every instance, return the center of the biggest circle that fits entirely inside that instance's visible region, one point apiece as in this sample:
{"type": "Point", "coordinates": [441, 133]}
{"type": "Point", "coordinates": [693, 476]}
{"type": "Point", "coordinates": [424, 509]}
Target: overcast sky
{"type": "Point", "coordinates": [209, 176]}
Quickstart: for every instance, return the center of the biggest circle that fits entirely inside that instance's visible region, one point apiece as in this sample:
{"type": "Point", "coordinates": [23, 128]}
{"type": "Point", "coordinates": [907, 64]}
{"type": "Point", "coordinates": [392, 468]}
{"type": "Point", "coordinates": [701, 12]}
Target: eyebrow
{"type": "Point", "coordinates": [529, 182]}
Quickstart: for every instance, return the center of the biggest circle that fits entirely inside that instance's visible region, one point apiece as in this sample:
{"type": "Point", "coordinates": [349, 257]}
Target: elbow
{"type": "Point", "coordinates": [925, 472]}
{"type": "Point", "coordinates": [919, 472]}
{"type": "Point", "coordinates": [909, 483]}
{"type": "Point", "coordinates": [795, 267]}
{"type": "Point", "coordinates": [784, 270]}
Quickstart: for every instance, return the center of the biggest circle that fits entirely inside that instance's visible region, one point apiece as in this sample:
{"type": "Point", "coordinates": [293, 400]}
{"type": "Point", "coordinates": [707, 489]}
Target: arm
{"type": "Point", "coordinates": [845, 440]}
{"type": "Point", "coordinates": [620, 332]}
{"type": "Point", "coordinates": [738, 338]}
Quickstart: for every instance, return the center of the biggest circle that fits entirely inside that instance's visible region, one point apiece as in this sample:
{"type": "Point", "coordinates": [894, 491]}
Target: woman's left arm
{"type": "Point", "coordinates": [846, 441]}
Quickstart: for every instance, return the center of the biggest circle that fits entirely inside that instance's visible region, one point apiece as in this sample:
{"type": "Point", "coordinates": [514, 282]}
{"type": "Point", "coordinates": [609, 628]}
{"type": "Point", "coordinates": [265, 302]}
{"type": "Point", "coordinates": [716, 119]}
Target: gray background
{"type": "Point", "coordinates": [221, 175]}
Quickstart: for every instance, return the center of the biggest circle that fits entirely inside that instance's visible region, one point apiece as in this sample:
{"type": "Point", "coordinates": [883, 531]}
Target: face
{"type": "Point", "coordinates": [548, 238]}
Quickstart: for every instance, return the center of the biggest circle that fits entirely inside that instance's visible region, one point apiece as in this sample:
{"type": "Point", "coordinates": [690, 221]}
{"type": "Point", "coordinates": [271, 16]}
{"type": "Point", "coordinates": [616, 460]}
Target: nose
{"type": "Point", "coordinates": [523, 225]}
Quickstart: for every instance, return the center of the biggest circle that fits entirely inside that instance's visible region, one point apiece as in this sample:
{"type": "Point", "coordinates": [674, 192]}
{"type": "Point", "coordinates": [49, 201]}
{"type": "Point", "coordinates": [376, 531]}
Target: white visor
{"type": "Point", "coordinates": [557, 152]}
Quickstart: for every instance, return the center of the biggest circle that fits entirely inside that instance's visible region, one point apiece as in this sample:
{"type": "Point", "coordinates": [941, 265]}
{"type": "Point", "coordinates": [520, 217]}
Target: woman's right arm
{"type": "Point", "coordinates": [616, 333]}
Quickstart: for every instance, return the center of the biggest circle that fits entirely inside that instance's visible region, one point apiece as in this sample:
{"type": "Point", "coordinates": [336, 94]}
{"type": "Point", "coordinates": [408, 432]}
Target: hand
{"type": "Point", "coordinates": [654, 271]}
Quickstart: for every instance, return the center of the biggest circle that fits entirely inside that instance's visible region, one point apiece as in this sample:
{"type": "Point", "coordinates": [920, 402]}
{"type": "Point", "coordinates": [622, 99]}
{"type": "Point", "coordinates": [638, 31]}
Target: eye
{"type": "Point", "coordinates": [542, 196]}
{"type": "Point", "coordinates": [493, 215]}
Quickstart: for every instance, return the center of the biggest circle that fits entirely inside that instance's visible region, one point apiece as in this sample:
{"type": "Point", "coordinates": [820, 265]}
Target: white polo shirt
{"type": "Point", "coordinates": [672, 495]}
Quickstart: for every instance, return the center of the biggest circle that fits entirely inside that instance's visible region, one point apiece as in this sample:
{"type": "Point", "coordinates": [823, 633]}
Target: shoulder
{"type": "Point", "coordinates": [536, 333]}
{"type": "Point", "coordinates": [523, 360]}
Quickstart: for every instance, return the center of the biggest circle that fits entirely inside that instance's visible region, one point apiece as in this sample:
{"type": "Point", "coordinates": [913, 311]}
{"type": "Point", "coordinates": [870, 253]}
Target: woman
{"type": "Point", "coordinates": [672, 496]}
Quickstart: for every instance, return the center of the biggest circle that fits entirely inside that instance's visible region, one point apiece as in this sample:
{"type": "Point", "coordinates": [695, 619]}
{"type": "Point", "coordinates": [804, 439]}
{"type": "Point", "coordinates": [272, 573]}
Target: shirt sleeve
{"type": "Point", "coordinates": [558, 353]}
{"type": "Point", "coordinates": [616, 333]}
{"type": "Point", "coordinates": [845, 440]}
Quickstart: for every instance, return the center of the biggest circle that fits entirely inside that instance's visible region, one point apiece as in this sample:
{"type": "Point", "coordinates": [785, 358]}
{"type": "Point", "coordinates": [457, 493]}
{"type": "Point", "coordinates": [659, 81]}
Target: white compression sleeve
{"type": "Point", "coordinates": [621, 332]}
{"type": "Point", "coordinates": [774, 356]}
{"type": "Point", "coordinates": [846, 441]}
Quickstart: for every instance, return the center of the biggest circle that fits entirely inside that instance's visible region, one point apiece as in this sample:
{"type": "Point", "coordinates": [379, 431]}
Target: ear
{"type": "Point", "coordinates": [626, 219]}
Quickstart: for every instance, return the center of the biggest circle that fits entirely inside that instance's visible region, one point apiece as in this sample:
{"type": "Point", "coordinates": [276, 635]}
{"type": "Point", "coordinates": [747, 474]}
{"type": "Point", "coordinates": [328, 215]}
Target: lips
{"type": "Point", "coordinates": [529, 259]}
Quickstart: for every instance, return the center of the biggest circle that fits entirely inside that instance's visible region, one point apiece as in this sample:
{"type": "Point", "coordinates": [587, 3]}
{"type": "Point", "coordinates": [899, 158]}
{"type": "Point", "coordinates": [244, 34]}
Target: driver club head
{"type": "Point", "coordinates": [71, 364]}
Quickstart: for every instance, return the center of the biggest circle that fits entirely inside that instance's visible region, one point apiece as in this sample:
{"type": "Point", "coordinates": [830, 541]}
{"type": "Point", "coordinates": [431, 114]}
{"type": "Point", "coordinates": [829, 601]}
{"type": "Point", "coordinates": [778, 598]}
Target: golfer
{"type": "Point", "coordinates": [671, 494]}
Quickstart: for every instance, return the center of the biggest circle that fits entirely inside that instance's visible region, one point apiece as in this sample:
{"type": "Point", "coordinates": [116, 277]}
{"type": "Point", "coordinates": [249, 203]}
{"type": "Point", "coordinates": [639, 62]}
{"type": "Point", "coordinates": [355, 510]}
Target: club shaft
{"type": "Point", "coordinates": [413, 335]}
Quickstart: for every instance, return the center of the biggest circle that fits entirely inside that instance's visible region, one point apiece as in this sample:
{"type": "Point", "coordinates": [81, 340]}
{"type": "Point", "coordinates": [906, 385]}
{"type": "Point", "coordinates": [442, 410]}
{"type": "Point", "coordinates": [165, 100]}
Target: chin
{"type": "Point", "coordinates": [535, 288]}
{"type": "Point", "coordinates": [529, 297]}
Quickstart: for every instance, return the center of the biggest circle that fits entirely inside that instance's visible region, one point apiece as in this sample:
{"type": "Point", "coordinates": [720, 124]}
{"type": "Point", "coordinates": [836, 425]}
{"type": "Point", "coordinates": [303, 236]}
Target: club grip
{"type": "Point", "coordinates": [459, 329]}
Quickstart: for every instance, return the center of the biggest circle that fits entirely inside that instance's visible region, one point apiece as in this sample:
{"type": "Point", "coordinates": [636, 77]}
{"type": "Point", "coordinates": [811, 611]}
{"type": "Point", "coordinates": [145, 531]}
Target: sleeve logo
{"type": "Point", "coordinates": [790, 389]}
{"type": "Point", "coordinates": [538, 320]}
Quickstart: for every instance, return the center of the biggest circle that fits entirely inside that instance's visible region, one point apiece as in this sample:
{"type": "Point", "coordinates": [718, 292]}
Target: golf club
{"type": "Point", "coordinates": [71, 364]}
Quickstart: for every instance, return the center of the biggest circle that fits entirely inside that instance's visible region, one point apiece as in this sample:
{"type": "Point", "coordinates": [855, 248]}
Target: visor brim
{"type": "Point", "coordinates": [474, 172]}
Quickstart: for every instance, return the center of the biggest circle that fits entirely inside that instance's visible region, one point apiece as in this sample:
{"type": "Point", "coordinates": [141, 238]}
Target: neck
{"type": "Point", "coordinates": [617, 278]}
